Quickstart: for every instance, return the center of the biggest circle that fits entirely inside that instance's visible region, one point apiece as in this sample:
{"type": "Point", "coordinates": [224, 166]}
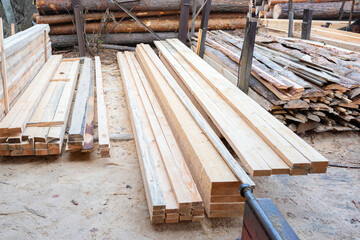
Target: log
{"type": "Point", "coordinates": [274, 2]}
{"type": "Point", "coordinates": [157, 24]}
{"type": "Point", "coordinates": [46, 6]}
{"type": "Point", "coordinates": [320, 10]}
{"type": "Point", "coordinates": [61, 41]}
{"type": "Point", "coordinates": [95, 16]}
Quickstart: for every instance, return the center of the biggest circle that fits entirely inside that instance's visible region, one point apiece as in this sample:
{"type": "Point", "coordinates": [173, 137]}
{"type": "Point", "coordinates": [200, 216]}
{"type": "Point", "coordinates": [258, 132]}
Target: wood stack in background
{"type": "Point", "coordinates": [161, 17]}
{"type": "Point", "coordinates": [322, 9]}
{"type": "Point", "coordinates": [307, 86]}
{"type": "Point", "coordinates": [25, 55]}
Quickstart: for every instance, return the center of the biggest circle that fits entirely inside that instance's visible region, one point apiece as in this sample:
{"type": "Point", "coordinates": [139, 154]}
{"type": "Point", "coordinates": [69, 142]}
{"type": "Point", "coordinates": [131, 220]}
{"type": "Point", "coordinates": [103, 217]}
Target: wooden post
{"type": "Point", "coordinates": [247, 56]}
{"type": "Point", "coordinates": [291, 19]}
{"type": "Point", "coordinates": [352, 10]}
{"type": "Point", "coordinates": [204, 26]}
{"type": "Point", "coordinates": [3, 68]}
{"type": "Point", "coordinates": [79, 26]}
{"type": "Point", "coordinates": [183, 24]}
{"type": "Point", "coordinates": [306, 24]}
{"type": "Point", "coordinates": [198, 42]}
{"type": "Point", "coordinates": [12, 29]}
{"type": "Point", "coordinates": [45, 45]}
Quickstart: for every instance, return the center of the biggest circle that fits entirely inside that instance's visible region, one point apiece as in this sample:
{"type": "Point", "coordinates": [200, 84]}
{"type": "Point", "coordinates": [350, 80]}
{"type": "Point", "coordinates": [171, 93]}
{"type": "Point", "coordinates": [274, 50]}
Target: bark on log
{"type": "Point", "coordinates": [320, 10]}
{"type": "Point", "coordinates": [274, 2]}
{"type": "Point", "coordinates": [55, 6]}
{"type": "Point", "coordinates": [69, 18]}
{"type": "Point", "coordinates": [61, 41]}
{"type": "Point", "coordinates": [157, 24]}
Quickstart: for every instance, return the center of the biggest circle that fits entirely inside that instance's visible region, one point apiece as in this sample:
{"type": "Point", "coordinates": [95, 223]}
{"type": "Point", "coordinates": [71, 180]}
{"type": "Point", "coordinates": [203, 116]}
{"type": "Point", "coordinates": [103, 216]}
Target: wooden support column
{"type": "Point", "coordinates": [12, 29]}
{"type": "Point", "coordinates": [3, 68]}
{"type": "Point", "coordinates": [183, 24]}
{"type": "Point", "coordinates": [247, 56]}
{"type": "Point", "coordinates": [204, 26]}
{"type": "Point", "coordinates": [291, 19]}
{"type": "Point", "coordinates": [77, 7]}
{"type": "Point", "coordinates": [306, 24]}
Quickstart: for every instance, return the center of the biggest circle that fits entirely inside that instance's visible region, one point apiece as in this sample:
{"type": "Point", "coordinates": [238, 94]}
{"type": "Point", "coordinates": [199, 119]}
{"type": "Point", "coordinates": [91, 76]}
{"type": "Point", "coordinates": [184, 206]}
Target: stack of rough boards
{"type": "Point", "coordinates": [304, 84]}
{"type": "Point", "coordinates": [40, 92]}
{"type": "Point", "coordinates": [180, 108]}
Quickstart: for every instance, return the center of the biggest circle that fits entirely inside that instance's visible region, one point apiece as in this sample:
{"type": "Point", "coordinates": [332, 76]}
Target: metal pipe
{"type": "Point", "coordinates": [184, 17]}
{"type": "Point", "coordinates": [204, 26]}
{"type": "Point", "coordinates": [291, 19]}
{"type": "Point", "coordinates": [246, 192]}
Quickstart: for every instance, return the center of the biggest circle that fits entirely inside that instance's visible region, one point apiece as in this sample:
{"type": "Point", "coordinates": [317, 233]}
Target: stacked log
{"type": "Point", "coordinates": [306, 86]}
{"type": "Point", "coordinates": [322, 9]}
{"type": "Point", "coordinates": [102, 19]}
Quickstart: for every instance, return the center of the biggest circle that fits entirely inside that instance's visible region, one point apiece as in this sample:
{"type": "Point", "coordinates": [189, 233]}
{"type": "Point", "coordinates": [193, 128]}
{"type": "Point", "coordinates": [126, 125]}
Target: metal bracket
{"type": "Point", "coordinates": [184, 17]}
{"type": "Point", "coordinates": [306, 24]}
{"type": "Point", "coordinates": [246, 57]}
{"type": "Point", "coordinates": [204, 26]}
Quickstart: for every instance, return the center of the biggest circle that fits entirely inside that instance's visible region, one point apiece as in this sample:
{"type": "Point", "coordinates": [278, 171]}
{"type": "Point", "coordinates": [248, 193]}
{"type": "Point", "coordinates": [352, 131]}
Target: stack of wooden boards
{"type": "Point", "coordinates": [104, 17]}
{"type": "Point", "coordinates": [178, 106]}
{"type": "Point", "coordinates": [36, 123]}
{"type": "Point", "coordinates": [305, 85]}
{"type": "Point", "coordinates": [82, 124]}
{"type": "Point", "coordinates": [322, 9]}
{"type": "Point", "coordinates": [331, 35]}
{"type": "Point", "coordinates": [25, 54]}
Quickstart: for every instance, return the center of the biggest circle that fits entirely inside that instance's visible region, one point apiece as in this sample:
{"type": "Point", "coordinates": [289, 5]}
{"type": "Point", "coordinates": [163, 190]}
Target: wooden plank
{"type": "Point", "coordinates": [251, 149]}
{"type": "Point", "coordinates": [234, 166]}
{"type": "Point", "coordinates": [21, 112]}
{"type": "Point", "coordinates": [103, 128]}
{"type": "Point", "coordinates": [78, 118]}
{"type": "Point", "coordinates": [90, 114]}
{"type": "Point", "coordinates": [206, 165]}
{"type": "Point", "coordinates": [146, 147]}
{"type": "Point", "coordinates": [178, 173]}
{"type": "Point", "coordinates": [3, 68]}
{"type": "Point", "coordinates": [236, 99]}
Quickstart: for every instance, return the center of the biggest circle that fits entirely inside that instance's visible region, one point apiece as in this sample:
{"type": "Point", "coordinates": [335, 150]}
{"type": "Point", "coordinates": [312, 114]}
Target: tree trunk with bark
{"type": "Point", "coordinates": [56, 6]}
{"type": "Point", "coordinates": [328, 10]}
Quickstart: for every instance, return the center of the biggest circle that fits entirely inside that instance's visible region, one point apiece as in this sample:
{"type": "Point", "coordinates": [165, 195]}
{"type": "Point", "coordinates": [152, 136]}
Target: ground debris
{"type": "Point", "coordinates": [34, 212]}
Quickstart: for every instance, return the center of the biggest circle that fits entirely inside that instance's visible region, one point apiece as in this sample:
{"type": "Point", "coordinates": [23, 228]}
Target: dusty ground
{"type": "Point", "coordinates": [77, 196]}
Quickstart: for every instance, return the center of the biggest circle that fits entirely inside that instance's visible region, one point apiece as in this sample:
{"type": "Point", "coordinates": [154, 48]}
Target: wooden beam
{"type": "Point", "coordinates": [3, 68]}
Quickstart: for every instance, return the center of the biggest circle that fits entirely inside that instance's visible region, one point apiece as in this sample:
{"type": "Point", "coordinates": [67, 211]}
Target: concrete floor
{"type": "Point", "coordinates": [82, 196]}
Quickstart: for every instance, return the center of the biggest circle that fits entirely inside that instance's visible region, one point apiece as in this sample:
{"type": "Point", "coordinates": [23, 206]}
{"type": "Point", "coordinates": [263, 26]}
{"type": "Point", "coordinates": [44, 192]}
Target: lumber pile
{"type": "Point", "coordinates": [305, 85]}
{"type": "Point", "coordinates": [171, 192]}
{"type": "Point", "coordinates": [81, 127]}
{"type": "Point", "coordinates": [180, 94]}
{"type": "Point", "coordinates": [41, 112]}
{"type": "Point", "coordinates": [331, 35]}
{"type": "Point", "coordinates": [105, 21]}
{"type": "Point", "coordinates": [24, 55]}
{"type": "Point", "coordinates": [193, 143]}
{"type": "Point", "coordinates": [322, 9]}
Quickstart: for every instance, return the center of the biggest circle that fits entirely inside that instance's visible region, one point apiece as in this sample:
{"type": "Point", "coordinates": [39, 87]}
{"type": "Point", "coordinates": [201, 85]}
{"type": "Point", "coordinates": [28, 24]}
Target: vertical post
{"type": "Point", "coordinates": [3, 68]}
{"type": "Point", "coordinates": [9, 13]}
{"type": "Point", "coordinates": [204, 26]}
{"type": "Point", "coordinates": [184, 18]}
{"type": "Point", "coordinates": [193, 13]}
{"type": "Point", "coordinates": [306, 24]}
{"type": "Point", "coordinates": [45, 45]}
{"type": "Point", "coordinates": [246, 57]}
{"type": "Point", "coordinates": [291, 19]}
{"type": "Point", "coordinates": [79, 26]}
{"type": "Point", "coordinates": [351, 12]}
{"type": "Point", "coordinates": [12, 29]}
{"type": "Point", "coordinates": [198, 42]}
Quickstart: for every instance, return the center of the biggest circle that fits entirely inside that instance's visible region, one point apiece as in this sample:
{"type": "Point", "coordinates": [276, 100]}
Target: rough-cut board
{"type": "Point", "coordinates": [208, 168]}
{"type": "Point", "coordinates": [294, 151]}
{"type": "Point", "coordinates": [78, 118]}
{"type": "Point", "coordinates": [21, 112]}
{"type": "Point", "coordinates": [90, 114]}
{"type": "Point", "coordinates": [103, 129]}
